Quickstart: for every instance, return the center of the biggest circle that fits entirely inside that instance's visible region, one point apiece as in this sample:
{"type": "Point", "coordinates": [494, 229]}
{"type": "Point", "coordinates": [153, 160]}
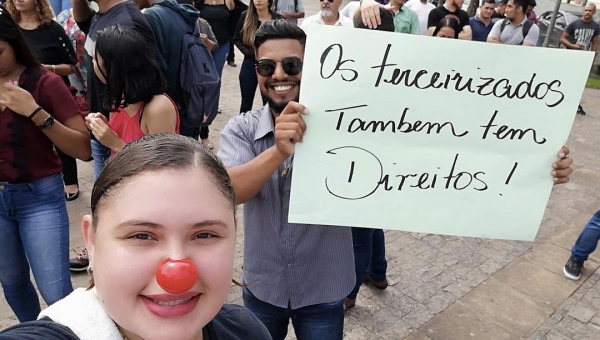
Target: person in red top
{"type": "Point", "coordinates": [134, 90]}
{"type": "Point", "coordinates": [38, 112]}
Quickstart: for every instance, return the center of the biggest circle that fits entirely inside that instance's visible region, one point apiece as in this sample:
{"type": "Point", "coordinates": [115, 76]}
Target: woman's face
{"type": "Point", "coordinates": [176, 214]}
{"type": "Point", "coordinates": [446, 32]}
{"type": "Point", "coordinates": [261, 4]}
{"type": "Point", "coordinates": [99, 67]}
{"type": "Point", "coordinates": [7, 59]}
{"type": "Point", "coordinates": [24, 5]}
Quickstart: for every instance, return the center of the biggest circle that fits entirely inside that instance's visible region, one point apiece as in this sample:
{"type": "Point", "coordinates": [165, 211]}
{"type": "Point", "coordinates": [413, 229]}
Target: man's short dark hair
{"type": "Point", "coordinates": [532, 3]}
{"type": "Point", "coordinates": [387, 20]}
{"type": "Point", "coordinates": [521, 3]}
{"type": "Point", "coordinates": [277, 30]}
{"type": "Point", "coordinates": [493, 2]}
{"type": "Point", "coordinates": [504, 2]}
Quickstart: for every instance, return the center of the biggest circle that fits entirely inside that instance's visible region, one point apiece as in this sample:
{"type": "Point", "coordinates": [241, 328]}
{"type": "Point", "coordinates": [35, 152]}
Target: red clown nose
{"type": "Point", "coordinates": [176, 276]}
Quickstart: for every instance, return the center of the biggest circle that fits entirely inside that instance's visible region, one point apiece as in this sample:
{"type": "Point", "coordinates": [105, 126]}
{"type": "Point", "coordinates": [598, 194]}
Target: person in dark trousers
{"type": "Point", "coordinates": [234, 17]}
{"type": "Point", "coordinates": [258, 12]}
{"type": "Point", "coordinates": [582, 35]}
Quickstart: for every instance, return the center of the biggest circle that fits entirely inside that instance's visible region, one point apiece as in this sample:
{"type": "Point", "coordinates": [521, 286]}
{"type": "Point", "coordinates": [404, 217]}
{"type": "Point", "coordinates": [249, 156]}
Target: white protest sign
{"type": "Point", "coordinates": [431, 135]}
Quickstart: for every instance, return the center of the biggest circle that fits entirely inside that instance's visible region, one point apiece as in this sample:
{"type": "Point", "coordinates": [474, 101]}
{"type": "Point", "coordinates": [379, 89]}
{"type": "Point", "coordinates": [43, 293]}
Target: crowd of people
{"type": "Point", "coordinates": [161, 198]}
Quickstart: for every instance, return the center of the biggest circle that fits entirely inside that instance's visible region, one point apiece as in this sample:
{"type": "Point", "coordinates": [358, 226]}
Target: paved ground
{"type": "Point", "coordinates": [451, 288]}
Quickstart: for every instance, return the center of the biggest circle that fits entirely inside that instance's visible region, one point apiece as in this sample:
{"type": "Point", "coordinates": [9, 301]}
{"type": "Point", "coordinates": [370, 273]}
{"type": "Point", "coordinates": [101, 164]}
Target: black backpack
{"type": "Point", "coordinates": [198, 77]}
{"type": "Point", "coordinates": [526, 26]}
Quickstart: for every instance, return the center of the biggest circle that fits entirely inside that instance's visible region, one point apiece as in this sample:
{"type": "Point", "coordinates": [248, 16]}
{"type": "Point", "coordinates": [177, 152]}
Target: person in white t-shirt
{"type": "Point", "coordinates": [422, 8]}
{"type": "Point", "coordinates": [329, 15]}
{"type": "Point", "coordinates": [349, 10]}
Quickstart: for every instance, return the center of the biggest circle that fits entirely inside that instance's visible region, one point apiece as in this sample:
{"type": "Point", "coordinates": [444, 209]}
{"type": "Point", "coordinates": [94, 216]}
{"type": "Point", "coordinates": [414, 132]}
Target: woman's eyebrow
{"type": "Point", "coordinates": [153, 225]}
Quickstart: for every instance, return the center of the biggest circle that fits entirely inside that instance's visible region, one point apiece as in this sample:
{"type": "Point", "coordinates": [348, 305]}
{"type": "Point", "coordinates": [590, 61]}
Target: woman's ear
{"type": "Point", "coordinates": [89, 235]}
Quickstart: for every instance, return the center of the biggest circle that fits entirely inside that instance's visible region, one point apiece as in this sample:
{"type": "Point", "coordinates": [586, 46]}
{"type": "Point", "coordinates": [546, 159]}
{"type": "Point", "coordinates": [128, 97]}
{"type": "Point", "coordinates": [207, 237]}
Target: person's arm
{"type": "Point", "coordinates": [562, 169]}
{"type": "Point", "coordinates": [564, 39]}
{"type": "Point", "coordinates": [69, 59]}
{"type": "Point", "coordinates": [230, 4]}
{"type": "Point", "coordinates": [289, 15]}
{"type": "Point", "coordinates": [432, 20]}
{"type": "Point", "coordinates": [415, 28]}
{"type": "Point", "coordinates": [238, 38]}
{"type": "Point", "coordinates": [160, 116]}
{"type": "Point", "coordinates": [60, 69]}
{"type": "Point", "coordinates": [494, 36]}
{"type": "Point", "coordinates": [594, 44]}
{"type": "Point", "coordinates": [532, 36]}
{"type": "Point", "coordinates": [208, 36]}
{"type": "Point", "coordinates": [250, 177]}
{"type": "Point", "coordinates": [466, 33]}
{"type": "Point", "coordinates": [70, 136]}
{"type": "Point", "coordinates": [82, 13]}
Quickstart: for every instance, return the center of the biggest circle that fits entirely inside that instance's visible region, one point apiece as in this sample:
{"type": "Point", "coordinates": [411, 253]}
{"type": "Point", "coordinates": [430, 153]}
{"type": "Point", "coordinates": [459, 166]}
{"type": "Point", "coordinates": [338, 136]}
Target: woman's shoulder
{"type": "Point", "coordinates": [44, 329]}
{"type": "Point", "coordinates": [160, 104]}
{"type": "Point", "coordinates": [236, 322]}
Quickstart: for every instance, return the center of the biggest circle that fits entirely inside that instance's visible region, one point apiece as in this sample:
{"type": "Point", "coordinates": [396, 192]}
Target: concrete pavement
{"type": "Point", "coordinates": [447, 288]}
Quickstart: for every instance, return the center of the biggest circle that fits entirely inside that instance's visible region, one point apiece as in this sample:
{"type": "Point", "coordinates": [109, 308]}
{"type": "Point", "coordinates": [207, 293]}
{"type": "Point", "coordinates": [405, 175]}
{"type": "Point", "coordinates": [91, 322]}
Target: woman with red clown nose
{"type": "Point", "coordinates": [165, 203]}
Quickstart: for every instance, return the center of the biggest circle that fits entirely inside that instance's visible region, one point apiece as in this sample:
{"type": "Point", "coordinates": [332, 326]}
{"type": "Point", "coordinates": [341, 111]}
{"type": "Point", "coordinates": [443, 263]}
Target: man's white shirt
{"type": "Point", "coordinates": [317, 19]}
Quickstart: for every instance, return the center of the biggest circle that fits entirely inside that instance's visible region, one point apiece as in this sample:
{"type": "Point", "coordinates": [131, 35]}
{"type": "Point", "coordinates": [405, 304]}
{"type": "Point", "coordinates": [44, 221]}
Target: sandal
{"type": "Point", "coordinates": [71, 196]}
{"type": "Point", "coordinates": [207, 143]}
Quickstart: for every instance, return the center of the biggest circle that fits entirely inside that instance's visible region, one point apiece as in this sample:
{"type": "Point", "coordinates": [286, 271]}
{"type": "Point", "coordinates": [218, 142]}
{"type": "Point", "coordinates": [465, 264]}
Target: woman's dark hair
{"type": "Point", "coordinates": [276, 30]}
{"type": "Point", "coordinates": [448, 22]}
{"type": "Point", "coordinates": [9, 33]}
{"type": "Point", "coordinates": [387, 20]}
{"type": "Point", "coordinates": [131, 71]}
{"type": "Point", "coordinates": [157, 152]}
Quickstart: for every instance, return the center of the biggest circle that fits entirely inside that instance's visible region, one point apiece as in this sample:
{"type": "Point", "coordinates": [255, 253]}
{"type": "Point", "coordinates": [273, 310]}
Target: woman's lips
{"type": "Point", "coordinates": [167, 306]}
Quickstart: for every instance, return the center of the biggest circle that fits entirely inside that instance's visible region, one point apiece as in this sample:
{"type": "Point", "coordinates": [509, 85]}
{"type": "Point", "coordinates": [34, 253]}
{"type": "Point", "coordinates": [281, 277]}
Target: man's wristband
{"type": "Point", "coordinates": [35, 112]}
{"type": "Point", "coordinates": [53, 68]}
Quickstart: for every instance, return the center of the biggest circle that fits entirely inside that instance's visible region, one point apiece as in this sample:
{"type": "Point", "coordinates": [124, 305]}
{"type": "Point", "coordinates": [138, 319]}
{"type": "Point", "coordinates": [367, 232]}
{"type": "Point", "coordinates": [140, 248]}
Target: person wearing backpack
{"type": "Point", "coordinates": [516, 29]}
{"type": "Point", "coordinates": [291, 10]}
{"type": "Point", "coordinates": [173, 23]}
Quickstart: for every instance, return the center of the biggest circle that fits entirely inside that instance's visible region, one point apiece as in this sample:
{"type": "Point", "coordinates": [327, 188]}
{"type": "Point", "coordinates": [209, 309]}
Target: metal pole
{"type": "Point", "coordinates": [552, 22]}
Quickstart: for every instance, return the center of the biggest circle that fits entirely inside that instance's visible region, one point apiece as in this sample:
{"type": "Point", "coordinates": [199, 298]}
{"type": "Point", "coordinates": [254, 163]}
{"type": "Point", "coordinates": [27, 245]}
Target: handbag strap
{"type": "Point", "coordinates": [79, 76]}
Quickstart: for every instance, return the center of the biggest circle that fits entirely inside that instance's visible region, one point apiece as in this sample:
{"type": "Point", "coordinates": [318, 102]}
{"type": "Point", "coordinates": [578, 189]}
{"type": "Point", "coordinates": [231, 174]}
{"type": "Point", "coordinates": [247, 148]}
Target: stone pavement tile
{"type": "Point", "coordinates": [553, 258]}
{"type": "Point", "coordinates": [542, 331]}
{"type": "Point", "coordinates": [582, 312]}
{"type": "Point", "coordinates": [387, 325]}
{"type": "Point", "coordinates": [508, 307]}
{"type": "Point", "coordinates": [567, 236]}
{"type": "Point", "coordinates": [417, 336]}
{"type": "Point", "coordinates": [537, 282]}
{"type": "Point", "coordinates": [392, 301]}
{"type": "Point", "coordinates": [359, 333]}
{"type": "Point", "coordinates": [459, 323]}
{"type": "Point", "coordinates": [419, 316]}
{"type": "Point", "coordinates": [577, 330]}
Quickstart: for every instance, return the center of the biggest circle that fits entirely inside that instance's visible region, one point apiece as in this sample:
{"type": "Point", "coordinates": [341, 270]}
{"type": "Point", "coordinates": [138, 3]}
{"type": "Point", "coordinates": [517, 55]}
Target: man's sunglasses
{"type": "Point", "coordinates": [327, 0]}
{"type": "Point", "coordinates": [292, 66]}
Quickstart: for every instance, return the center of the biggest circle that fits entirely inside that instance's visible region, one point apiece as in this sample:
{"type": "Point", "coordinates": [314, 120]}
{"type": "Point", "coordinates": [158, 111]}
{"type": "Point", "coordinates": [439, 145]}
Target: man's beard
{"type": "Point", "coordinates": [278, 107]}
{"type": "Point", "coordinates": [327, 13]}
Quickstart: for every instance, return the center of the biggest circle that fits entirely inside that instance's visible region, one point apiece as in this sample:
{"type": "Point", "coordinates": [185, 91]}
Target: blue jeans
{"type": "Point", "coordinates": [220, 56]}
{"type": "Point", "coordinates": [322, 321]}
{"type": "Point", "coordinates": [588, 239]}
{"type": "Point", "coordinates": [34, 231]}
{"type": "Point", "coordinates": [369, 256]}
{"type": "Point", "coordinates": [101, 154]}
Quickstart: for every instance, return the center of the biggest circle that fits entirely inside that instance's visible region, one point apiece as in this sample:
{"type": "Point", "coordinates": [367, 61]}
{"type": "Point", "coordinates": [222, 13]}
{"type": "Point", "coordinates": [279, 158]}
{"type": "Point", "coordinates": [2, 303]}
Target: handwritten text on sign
{"type": "Point", "coordinates": [431, 135]}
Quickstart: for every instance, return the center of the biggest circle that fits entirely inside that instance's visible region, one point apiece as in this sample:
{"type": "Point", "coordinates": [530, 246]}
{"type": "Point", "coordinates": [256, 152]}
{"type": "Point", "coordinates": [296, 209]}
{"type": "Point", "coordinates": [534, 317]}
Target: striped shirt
{"type": "Point", "coordinates": [285, 264]}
